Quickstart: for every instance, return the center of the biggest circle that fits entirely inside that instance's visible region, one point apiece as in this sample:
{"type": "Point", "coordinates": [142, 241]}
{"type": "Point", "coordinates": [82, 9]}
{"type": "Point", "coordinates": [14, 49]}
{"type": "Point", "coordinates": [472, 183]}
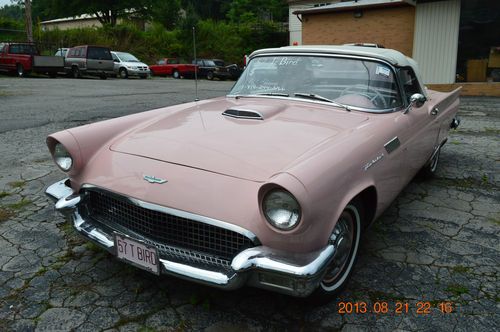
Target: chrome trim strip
{"type": "Point", "coordinates": [392, 145]}
{"type": "Point", "coordinates": [183, 214]}
{"type": "Point", "coordinates": [195, 273]}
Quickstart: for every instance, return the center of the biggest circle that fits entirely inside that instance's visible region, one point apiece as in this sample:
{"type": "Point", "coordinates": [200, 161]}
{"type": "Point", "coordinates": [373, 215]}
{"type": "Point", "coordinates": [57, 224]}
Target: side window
{"type": "Point", "coordinates": [410, 82]}
{"type": "Point", "coordinates": [99, 53]}
{"type": "Point", "coordinates": [161, 62]}
{"type": "Point", "coordinates": [115, 58]}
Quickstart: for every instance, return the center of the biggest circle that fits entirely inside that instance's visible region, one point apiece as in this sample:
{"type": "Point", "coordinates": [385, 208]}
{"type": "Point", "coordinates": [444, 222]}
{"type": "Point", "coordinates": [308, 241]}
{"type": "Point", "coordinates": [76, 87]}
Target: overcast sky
{"type": "Point", "coordinates": [4, 2]}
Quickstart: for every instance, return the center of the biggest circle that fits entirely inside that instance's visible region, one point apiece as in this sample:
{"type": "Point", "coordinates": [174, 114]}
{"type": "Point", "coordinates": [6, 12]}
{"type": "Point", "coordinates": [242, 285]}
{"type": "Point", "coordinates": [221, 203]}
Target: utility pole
{"type": "Point", "coordinates": [29, 23]}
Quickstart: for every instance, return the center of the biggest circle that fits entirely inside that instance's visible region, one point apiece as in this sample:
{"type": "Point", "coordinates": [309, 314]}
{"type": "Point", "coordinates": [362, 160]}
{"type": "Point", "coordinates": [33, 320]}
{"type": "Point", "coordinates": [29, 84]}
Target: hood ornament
{"type": "Point", "coordinates": [153, 179]}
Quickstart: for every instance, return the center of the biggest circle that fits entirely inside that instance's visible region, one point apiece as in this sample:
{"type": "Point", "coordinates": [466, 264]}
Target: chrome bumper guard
{"type": "Point", "coordinates": [289, 273]}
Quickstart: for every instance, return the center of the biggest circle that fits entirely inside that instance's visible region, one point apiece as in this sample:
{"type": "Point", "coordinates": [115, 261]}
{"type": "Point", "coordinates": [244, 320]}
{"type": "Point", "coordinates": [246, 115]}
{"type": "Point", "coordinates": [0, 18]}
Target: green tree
{"type": "Point", "coordinates": [245, 11]}
{"type": "Point", "coordinates": [14, 12]}
{"type": "Point", "coordinates": [165, 12]}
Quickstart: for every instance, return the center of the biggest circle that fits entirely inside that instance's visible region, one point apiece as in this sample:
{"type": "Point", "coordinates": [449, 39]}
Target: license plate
{"type": "Point", "coordinates": [137, 253]}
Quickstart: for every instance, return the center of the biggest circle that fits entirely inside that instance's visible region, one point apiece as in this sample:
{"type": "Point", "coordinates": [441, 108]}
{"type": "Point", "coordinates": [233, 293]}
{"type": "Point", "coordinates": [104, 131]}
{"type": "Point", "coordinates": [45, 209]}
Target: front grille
{"type": "Point", "coordinates": [172, 235]}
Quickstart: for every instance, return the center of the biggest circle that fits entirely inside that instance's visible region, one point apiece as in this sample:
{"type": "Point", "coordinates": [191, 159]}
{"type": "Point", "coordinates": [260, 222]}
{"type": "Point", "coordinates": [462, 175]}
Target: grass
{"type": "Point", "coordinates": [376, 296]}
{"type": "Point", "coordinates": [93, 247]}
{"type": "Point", "coordinates": [492, 130]}
{"type": "Point", "coordinates": [460, 269]}
{"type": "Point", "coordinates": [495, 221]}
{"type": "Point", "coordinates": [457, 289]}
{"type": "Point", "coordinates": [17, 184]}
{"type": "Point", "coordinates": [5, 214]}
{"type": "Point", "coordinates": [21, 204]}
{"type": "Point", "coordinates": [4, 194]}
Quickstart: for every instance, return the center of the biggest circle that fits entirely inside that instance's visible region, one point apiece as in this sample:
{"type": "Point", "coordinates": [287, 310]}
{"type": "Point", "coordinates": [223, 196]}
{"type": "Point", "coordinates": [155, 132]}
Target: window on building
{"type": "Point", "coordinates": [479, 41]}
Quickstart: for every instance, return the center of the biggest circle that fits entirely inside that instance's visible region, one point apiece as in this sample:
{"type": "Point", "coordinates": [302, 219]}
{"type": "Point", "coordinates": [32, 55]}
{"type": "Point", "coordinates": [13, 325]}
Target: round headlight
{"type": "Point", "coordinates": [62, 157]}
{"type": "Point", "coordinates": [281, 209]}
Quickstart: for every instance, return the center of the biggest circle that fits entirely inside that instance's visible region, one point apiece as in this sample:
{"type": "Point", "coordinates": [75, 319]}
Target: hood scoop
{"type": "Point", "coordinates": [254, 111]}
{"type": "Point", "coordinates": [240, 113]}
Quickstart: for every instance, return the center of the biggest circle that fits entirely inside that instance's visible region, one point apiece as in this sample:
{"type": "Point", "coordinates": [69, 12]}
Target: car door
{"type": "Point", "coordinates": [116, 62]}
{"type": "Point", "coordinates": [99, 59]}
{"type": "Point", "coordinates": [3, 49]}
{"type": "Point", "coordinates": [423, 127]}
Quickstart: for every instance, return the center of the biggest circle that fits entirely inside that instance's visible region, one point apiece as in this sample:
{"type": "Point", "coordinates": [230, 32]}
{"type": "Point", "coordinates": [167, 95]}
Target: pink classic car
{"type": "Point", "coordinates": [270, 186]}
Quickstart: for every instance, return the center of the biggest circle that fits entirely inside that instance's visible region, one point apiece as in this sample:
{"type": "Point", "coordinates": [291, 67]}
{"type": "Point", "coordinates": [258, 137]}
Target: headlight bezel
{"type": "Point", "coordinates": [61, 156]}
{"type": "Point", "coordinates": [274, 223]}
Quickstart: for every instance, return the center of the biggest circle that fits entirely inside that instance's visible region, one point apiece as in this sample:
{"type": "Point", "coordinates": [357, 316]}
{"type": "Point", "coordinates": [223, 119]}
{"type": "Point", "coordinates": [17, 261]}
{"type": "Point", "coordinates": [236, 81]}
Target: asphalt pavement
{"type": "Point", "coordinates": [431, 261]}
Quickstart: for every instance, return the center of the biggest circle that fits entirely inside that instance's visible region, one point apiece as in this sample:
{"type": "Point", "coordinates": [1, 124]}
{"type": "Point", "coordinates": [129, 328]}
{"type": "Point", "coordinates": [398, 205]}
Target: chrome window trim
{"type": "Point", "coordinates": [330, 55]}
{"type": "Point", "coordinates": [181, 214]}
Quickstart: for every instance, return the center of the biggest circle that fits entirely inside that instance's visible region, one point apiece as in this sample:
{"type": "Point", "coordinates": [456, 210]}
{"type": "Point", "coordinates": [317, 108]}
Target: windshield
{"type": "Point", "coordinates": [127, 57]}
{"type": "Point", "coordinates": [359, 83]}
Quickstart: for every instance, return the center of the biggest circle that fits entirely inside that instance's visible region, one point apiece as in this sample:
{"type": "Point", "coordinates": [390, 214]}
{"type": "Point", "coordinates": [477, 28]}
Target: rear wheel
{"type": "Point", "coordinates": [20, 70]}
{"type": "Point", "coordinates": [430, 168]}
{"type": "Point", "coordinates": [123, 73]}
{"type": "Point", "coordinates": [103, 77]}
{"type": "Point", "coordinates": [76, 72]}
{"type": "Point", "coordinates": [176, 74]}
{"type": "Point", "coordinates": [346, 238]}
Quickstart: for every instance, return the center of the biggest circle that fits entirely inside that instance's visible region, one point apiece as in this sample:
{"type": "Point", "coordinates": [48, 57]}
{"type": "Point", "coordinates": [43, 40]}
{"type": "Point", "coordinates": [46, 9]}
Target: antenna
{"type": "Point", "coordinates": [196, 66]}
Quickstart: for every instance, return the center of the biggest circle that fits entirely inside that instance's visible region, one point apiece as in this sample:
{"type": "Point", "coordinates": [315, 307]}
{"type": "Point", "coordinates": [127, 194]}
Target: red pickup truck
{"type": "Point", "coordinates": [23, 58]}
{"type": "Point", "coordinates": [174, 67]}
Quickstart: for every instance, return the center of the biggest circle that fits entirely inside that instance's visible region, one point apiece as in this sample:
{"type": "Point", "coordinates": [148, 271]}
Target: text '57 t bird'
{"type": "Point", "coordinates": [270, 186]}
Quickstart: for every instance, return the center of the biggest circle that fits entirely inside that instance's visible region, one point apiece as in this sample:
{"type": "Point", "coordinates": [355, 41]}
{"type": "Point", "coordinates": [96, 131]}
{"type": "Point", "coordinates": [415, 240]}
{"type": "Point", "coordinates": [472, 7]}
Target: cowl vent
{"type": "Point", "coordinates": [243, 114]}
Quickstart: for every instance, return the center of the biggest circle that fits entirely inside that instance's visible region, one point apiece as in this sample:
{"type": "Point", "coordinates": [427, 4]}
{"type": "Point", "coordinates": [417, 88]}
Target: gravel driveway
{"type": "Point", "coordinates": [437, 246]}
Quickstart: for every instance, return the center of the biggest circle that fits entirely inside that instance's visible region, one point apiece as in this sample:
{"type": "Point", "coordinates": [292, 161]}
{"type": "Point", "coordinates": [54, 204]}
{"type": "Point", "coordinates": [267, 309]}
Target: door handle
{"type": "Point", "coordinates": [100, 62]}
{"type": "Point", "coordinates": [435, 111]}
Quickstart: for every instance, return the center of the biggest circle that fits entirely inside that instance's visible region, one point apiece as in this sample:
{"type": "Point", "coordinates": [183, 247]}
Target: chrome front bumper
{"type": "Point", "coordinates": [261, 266]}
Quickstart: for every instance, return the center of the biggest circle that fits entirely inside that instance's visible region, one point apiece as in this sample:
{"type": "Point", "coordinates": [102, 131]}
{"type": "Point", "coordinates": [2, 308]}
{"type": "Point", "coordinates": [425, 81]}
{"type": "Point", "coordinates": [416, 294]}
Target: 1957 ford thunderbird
{"type": "Point", "coordinates": [270, 186]}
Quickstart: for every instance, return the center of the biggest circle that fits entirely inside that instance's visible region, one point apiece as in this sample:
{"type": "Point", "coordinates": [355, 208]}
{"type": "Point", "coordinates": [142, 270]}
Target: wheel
{"type": "Point", "coordinates": [430, 168]}
{"type": "Point", "coordinates": [143, 77]}
{"type": "Point", "coordinates": [176, 74]}
{"type": "Point", "coordinates": [210, 75]}
{"type": "Point", "coordinates": [52, 75]}
{"type": "Point", "coordinates": [123, 73]}
{"type": "Point", "coordinates": [20, 70]}
{"type": "Point", "coordinates": [103, 77]}
{"type": "Point", "coordinates": [76, 72]}
{"type": "Point", "coordinates": [345, 237]}
{"type": "Point", "coordinates": [372, 94]}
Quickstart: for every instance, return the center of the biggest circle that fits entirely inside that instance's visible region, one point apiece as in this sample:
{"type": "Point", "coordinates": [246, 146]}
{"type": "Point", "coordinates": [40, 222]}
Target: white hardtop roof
{"type": "Point", "coordinates": [394, 57]}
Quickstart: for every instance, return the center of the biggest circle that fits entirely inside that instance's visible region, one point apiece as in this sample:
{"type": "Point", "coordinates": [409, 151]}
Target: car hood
{"type": "Point", "coordinates": [134, 64]}
{"type": "Point", "coordinates": [201, 137]}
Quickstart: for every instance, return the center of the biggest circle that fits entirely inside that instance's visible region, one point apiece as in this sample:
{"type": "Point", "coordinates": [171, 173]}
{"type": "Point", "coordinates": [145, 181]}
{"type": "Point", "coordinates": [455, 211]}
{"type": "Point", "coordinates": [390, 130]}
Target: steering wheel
{"type": "Point", "coordinates": [373, 95]}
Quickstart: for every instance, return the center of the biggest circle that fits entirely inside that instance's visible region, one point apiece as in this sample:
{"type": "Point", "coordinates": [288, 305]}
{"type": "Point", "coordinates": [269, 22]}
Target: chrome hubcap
{"type": "Point", "coordinates": [343, 239]}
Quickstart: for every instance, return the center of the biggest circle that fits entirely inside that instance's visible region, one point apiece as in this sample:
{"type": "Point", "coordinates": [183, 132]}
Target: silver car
{"type": "Point", "coordinates": [128, 65]}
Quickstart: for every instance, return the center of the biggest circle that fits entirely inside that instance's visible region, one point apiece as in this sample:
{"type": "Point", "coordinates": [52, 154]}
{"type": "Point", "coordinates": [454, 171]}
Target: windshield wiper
{"type": "Point", "coordinates": [320, 98]}
{"type": "Point", "coordinates": [280, 94]}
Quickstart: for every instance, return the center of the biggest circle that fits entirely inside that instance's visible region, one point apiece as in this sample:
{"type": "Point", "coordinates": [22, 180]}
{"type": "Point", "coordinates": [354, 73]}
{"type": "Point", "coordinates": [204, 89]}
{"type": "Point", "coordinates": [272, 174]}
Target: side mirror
{"type": "Point", "coordinates": [417, 100]}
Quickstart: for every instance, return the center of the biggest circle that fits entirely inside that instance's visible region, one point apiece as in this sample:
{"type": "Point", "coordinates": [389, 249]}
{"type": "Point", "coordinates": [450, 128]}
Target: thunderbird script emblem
{"type": "Point", "coordinates": [153, 179]}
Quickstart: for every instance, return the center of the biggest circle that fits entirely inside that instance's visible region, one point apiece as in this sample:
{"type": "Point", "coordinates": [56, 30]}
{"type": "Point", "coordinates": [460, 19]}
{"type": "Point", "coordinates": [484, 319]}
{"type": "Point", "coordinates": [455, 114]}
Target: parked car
{"type": "Point", "coordinates": [175, 67]}
{"type": "Point", "coordinates": [128, 65]}
{"type": "Point", "coordinates": [89, 60]}
{"type": "Point", "coordinates": [212, 68]}
{"type": "Point", "coordinates": [24, 58]}
{"type": "Point", "coordinates": [270, 186]}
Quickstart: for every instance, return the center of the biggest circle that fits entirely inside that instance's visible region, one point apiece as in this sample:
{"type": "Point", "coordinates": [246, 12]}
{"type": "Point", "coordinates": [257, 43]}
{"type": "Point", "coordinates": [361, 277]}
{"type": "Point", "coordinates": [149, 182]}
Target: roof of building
{"type": "Point", "coordinates": [355, 4]}
{"type": "Point", "coordinates": [389, 55]}
{"type": "Point", "coordinates": [70, 19]}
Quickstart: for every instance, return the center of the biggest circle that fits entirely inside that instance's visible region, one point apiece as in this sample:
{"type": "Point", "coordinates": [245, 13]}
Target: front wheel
{"type": "Point", "coordinates": [176, 74]}
{"type": "Point", "coordinates": [20, 70]}
{"type": "Point", "coordinates": [210, 75]}
{"type": "Point", "coordinates": [346, 238]}
{"type": "Point", "coordinates": [123, 73]}
{"type": "Point", "coordinates": [76, 72]}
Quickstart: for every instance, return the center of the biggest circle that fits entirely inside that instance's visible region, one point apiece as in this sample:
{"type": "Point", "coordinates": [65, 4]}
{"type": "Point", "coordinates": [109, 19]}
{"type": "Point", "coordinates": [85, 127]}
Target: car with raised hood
{"type": "Point", "coordinates": [128, 65]}
{"type": "Point", "coordinates": [270, 186]}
